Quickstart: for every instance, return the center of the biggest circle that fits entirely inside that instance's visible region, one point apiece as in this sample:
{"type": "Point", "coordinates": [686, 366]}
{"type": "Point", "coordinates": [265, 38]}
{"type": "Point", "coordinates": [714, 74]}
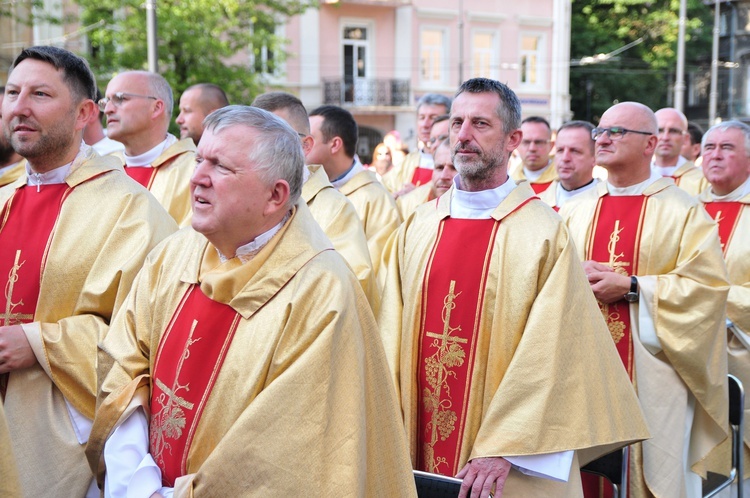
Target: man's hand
{"type": "Point", "coordinates": [15, 350]}
{"type": "Point", "coordinates": [480, 474]}
{"type": "Point", "coordinates": [592, 266]}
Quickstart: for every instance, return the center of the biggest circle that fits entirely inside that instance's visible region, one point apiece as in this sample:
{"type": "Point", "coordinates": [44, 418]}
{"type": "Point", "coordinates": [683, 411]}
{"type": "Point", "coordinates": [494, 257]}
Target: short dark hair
{"type": "Point", "coordinates": [274, 101]}
{"type": "Point", "coordinates": [338, 122]}
{"type": "Point", "coordinates": [695, 132]}
{"type": "Point", "coordinates": [537, 119]}
{"type": "Point", "coordinates": [76, 72]}
{"type": "Point", "coordinates": [509, 108]}
{"type": "Point", "coordinates": [581, 125]}
{"type": "Point", "coordinates": [212, 96]}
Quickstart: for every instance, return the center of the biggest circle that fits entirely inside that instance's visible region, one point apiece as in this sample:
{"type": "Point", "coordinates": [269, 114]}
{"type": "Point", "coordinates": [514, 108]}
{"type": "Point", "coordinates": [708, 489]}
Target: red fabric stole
{"type": "Point", "coordinates": [421, 176]}
{"type": "Point", "coordinates": [538, 188]}
{"type": "Point", "coordinates": [676, 179]}
{"type": "Point", "coordinates": [191, 353]}
{"type": "Point", "coordinates": [614, 241]}
{"type": "Point", "coordinates": [452, 301]}
{"type": "Point", "coordinates": [26, 230]}
{"type": "Point", "coordinates": [143, 175]}
{"type": "Point", "coordinates": [726, 214]}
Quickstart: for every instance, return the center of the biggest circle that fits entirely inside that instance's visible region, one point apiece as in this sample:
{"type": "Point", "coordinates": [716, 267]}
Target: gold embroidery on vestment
{"type": "Point", "coordinates": [449, 354]}
{"type": "Point", "coordinates": [10, 318]}
{"type": "Point", "coordinates": [615, 325]}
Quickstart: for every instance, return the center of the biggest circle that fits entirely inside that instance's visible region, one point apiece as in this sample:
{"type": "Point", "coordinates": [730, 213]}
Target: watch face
{"type": "Point", "coordinates": [631, 297]}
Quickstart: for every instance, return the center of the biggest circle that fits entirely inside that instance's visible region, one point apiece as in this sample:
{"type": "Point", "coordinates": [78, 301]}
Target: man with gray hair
{"type": "Point", "coordinates": [489, 362]}
{"type": "Point", "coordinates": [138, 106]}
{"type": "Point", "coordinates": [653, 261]}
{"type": "Point", "coordinates": [250, 342]}
{"type": "Point", "coordinates": [726, 166]}
{"type": "Point", "coordinates": [417, 167]}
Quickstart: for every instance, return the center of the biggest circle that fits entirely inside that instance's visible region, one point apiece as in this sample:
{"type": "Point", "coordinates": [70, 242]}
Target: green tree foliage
{"type": "Point", "coordinates": [200, 41]}
{"type": "Point", "coordinates": [644, 73]}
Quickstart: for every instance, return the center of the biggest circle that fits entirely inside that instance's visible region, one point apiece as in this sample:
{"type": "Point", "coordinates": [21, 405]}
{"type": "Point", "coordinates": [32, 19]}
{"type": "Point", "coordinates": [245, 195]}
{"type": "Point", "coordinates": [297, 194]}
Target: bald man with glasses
{"type": "Point", "coordinates": [654, 263]}
{"type": "Point", "coordinates": [672, 134]}
{"type": "Point", "coordinates": [138, 106]}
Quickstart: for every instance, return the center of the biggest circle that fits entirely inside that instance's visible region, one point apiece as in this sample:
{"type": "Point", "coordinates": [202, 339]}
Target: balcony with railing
{"type": "Point", "coordinates": [366, 92]}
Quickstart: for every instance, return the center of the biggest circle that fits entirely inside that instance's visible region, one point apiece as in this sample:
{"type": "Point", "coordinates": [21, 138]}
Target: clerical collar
{"type": "Point", "coordinates": [734, 195]}
{"type": "Point", "coordinates": [535, 175]}
{"type": "Point", "coordinates": [355, 168]}
{"type": "Point", "coordinates": [636, 189]}
{"type": "Point", "coordinates": [57, 175]}
{"type": "Point", "coordinates": [144, 160]}
{"type": "Point", "coordinates": [251, 249]}
{"type": "Point", "coordinates": [305, 174]}
{"type": "Point", "coordinates": [668, 170]}
{"type": "Point", "coordinates": [562, 195]}
{"type": "Point", "coordinates": [426, 160]}
{"type": "Point", "coordinates": [478, 205]}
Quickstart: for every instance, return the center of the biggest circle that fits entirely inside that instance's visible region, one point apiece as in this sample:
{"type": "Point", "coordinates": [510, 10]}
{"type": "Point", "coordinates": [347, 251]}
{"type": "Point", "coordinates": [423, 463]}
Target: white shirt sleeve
{"type": "Point", "coordinates": [554, 466]}
{"type": "Point", "coordinates": [645, 320]}
{"type": "Point", "coordinates": [131, 471]}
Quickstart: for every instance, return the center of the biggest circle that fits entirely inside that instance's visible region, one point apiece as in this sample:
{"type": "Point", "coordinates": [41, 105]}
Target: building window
{"type": "Point", "coordinates": [433, 52]}
{"type": "Point", "coordinates": [531, 57]}
{"type": "Point", "coordinates": [267, 34]}
{"type": "Point", "coordinates": [484, 55]}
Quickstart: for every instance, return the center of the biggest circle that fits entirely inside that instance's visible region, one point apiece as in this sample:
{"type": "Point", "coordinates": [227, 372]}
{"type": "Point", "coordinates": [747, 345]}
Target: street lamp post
{"type": "Point", "coordinates": [152, 44]}
{"type": "Point", "coordinates": [714, 92]}
{"type": "Point", "coordinates": [679, 85]}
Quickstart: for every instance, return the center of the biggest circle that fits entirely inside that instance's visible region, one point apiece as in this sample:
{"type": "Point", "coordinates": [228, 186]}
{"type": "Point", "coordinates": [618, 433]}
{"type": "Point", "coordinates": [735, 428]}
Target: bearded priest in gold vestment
{"type": "Point", "coordinates": [74, 233]}
{"type": "Point", "coordinates": [246, 360]}
{"type": "Point", "coordinates": [506, 375]}
{"type": "Point", "coordinates": [653, 259]}
{"type": "Point", "coordinates": [726, 165]}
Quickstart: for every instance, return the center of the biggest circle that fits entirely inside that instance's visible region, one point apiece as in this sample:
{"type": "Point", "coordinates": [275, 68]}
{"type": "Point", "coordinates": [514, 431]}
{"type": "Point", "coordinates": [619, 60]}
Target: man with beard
{"type": "Point", "coordinates": [75, 232]}
{"type": "Point", "coordinates": [11, 166]}
{"type": "Point", "coordinates": [442, 179]}
{"type": "Point", "coordinates": [668, 161]}
{"type": "Point", "coordinates": [491, 365]}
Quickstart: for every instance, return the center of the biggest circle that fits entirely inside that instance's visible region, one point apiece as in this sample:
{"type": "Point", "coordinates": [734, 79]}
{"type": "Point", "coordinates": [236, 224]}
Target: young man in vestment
{"type": "Point", "coordinates": [329, 207]}
{"type": "Point", "coordinates": [75, 231]}
{"type": "Point", "coordinates": [536, 167]}
{"type": "Point", "coordinates": [502, 381]}
{"type": "Point", "coordinates": [668, 160]}
{"type": "Point", "coordinates": [197, 102]}
{"type": "Point", "coordinates": [653, 260]}
{"type": "Point", "coordinates": [335, 135]}
{"type": "Point", "coordinates": [246, 360]}
{"type": "Point", "coordinates": [138, 106]}
{"type": "Point", "coordinates": [726, 166]}
{"type": "Point", "coordinates": [416, 169]}
{"type": "Point", "coordinates": [574, 163]}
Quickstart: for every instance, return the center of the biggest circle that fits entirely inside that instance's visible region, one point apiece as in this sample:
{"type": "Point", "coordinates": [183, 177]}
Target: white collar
{"type": "Point", "coordinates": [734, 195]}
{"type": "Point", "coordinates": [668, 170]}
{"type": "Point", "coordinates": [535, 175]}
{"type": "Point", "coordinates": [478, 205]}
{"type": "Point", "coordinates": [562, 195]}
{"type": "Point", "coordinates": [144, 160]}
{"type": "Point", "coordinates": [356, 168]}
{"type": "Point", "coordinates": [248, 251]}
{"type": "Point", "coordinates": [57, 175]}
{"type": "Point", "coordinates": [636, 189]}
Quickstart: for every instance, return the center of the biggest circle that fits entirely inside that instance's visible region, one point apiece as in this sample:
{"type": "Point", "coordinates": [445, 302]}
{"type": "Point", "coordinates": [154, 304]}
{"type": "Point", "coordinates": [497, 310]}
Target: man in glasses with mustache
{"type": "Point", "coordinates": [75, 231]}
{"type": "Point", "coordinates": [138, 106]}
{"type": "Point", "coordinates": [653, 260]}
{"type": "Point", "coordinates": [494, 340]}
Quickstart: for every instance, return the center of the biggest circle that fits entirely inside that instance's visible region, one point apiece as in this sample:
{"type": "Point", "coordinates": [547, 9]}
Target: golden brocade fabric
{"type": "Point", "coordinates": [680, 250]}
{"type": "Point", "coordinates": [406, 171]}
{"type": "Point", "coordinates": [340, 222]}
{"type": "Point", "coordinates": [737, 257]}
{"type": "Point", "coordinates": [377, 210]}
{"type": "Point", "coordinates": [546, 376]}
{"type": "Point", "coordinates": [690, 178]}
{"type": "Point", "coordinates": [12, 174]}
{"type": "Point", "coordinates": [171, 184]}
{"type": "Point", "coordinates": [302, 402]}
{"type": "Point", "coordinates": [408, 203]}
{"type": "Point", "coordinates": [9, 486]}
{"type": "Point", "coordinates": [549, 175]}
{"type": "Point", "coordinates": [97, 249]}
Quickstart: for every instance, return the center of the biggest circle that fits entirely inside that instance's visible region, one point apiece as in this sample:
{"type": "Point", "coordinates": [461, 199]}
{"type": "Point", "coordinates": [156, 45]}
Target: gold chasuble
{"type": "Point", "coordinates": [12, 173]}
{"type": "Point", "coordinates": [733, 218]}
{"type": "Point", "coordinates": [690, 178]}
{"type": "Point", "coordinates": [542, 183]}
{"type": "Point", "coordinates": [340, 222]}
{"type": "Point", "coordinates": [168, 179]}
{"type": "Point", "coordinates": [67, 260]}
{"type": "Point", "coordinates": [681, 383]}
{"type": "Point", "coordinates": [265, 378]}
{"type": "Point", "coordinates": [496, 345]}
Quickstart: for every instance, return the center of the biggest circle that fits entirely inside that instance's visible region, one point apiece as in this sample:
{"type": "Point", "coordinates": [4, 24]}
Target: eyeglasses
{"type": "Point", "coordinates": [118, 98]}
{"type": "Point", "coordinates": [538, 143]}
{"type": "Point", "coordinates": [675, 132]}
{"type": "Point", "coordinates": [615, 132]}
{"type": "Point", "coordinates": [438, 138]}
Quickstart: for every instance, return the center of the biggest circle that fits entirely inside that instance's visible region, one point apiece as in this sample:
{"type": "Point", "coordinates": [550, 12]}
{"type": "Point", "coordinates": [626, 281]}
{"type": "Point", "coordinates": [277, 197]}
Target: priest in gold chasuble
{"type": "Point", "coordinates": [653, 260]}
{"type": "Point", "coordinates": [506, 374]}
{"type": "Point", "coordinates": [255, 374]}
{"type": "Point", "coordinates": [74, 231]}
{"type": "Point", "coordinates": [727, 166]}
